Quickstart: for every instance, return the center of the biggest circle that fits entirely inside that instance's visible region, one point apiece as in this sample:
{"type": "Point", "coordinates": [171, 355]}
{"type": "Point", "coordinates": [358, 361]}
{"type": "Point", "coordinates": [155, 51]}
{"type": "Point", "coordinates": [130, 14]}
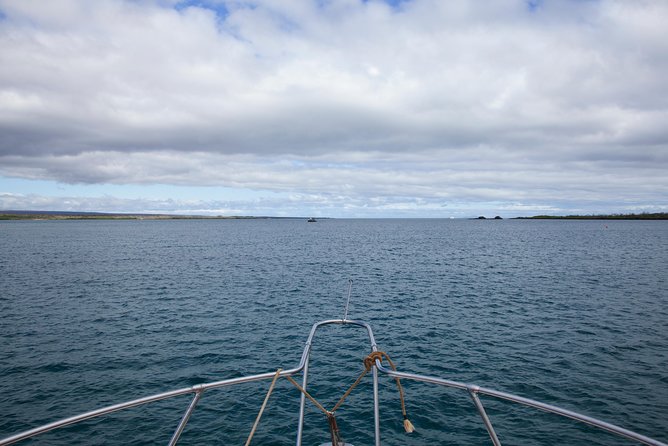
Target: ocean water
{"type": "Point", "coordinates": [572, 313]}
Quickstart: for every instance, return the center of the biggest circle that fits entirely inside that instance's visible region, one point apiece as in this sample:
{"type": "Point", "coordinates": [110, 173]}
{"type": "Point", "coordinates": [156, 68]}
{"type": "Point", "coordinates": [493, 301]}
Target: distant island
{"type": "Point", "coordinates": [643, 216]}
{"type": "Point", "coordinates": [69, 215]}
{"type": "Point", "coordinates": [64, 215]}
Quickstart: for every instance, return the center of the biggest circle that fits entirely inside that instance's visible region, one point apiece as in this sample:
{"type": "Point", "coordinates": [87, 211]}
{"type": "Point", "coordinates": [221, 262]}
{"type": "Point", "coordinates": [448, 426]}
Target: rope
{"type": "Point", "coordinates": [350, 389]}
{"type": "Point", "coordinates": [369, 362]}
{"type": "Point", "coordinates": [308, 395]}
{"type": "Point", "coordinates": [331, 419]}
{"type": "Point", "coordinates": [334, 430]}
{"type": "Point", "coordinates": [264, 404]}
{"type": "Point", "coordinates": [408, 426]}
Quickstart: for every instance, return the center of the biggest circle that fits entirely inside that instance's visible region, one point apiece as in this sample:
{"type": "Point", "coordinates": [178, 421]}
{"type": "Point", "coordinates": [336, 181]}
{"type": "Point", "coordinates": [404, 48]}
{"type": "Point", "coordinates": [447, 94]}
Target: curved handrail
{"type": "Point", "coordinates": [138, 402]}
{"type": "Point", "coordinates": [196, 389]}
{"type": "Point", "coordinates": [472, 389]}
{"type": "Point", "coordinates": [475, 389]}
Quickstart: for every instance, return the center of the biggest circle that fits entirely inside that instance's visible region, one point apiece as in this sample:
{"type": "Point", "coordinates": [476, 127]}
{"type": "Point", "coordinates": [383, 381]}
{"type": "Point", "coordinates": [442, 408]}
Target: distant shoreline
{"type": "Point", "coordinates": [66, 215]}
{"type": "Point", "coordinates": [644, 216]}
{"type": "Point", "coordinates": [56, 215]}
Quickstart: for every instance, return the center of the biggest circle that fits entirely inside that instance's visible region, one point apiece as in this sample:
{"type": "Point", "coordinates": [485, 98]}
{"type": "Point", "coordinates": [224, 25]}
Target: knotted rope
{"type": "Point", "coordinates": [369, 362]}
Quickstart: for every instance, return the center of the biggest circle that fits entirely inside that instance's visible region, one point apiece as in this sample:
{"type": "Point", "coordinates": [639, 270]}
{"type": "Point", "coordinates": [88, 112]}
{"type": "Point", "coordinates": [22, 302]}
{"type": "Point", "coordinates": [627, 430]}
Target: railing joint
{"type": "Point", "coordinates": [472, 388]}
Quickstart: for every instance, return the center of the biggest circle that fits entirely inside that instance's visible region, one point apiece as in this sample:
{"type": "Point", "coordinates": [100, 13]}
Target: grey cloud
{"type": "Point", "coordinates": [339, 96]}
{"type": "Point", "coordinates": [464, 175]}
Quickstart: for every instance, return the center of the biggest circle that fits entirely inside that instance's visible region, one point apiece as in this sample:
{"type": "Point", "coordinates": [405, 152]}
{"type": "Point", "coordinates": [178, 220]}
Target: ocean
{"type": "Point", "coordinates": [572, 313]}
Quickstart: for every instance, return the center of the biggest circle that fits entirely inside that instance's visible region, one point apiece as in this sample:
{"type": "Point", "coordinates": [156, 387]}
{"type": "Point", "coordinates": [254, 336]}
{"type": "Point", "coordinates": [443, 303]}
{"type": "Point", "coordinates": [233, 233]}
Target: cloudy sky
{"type": "Point", "coordinates": [340, 108]}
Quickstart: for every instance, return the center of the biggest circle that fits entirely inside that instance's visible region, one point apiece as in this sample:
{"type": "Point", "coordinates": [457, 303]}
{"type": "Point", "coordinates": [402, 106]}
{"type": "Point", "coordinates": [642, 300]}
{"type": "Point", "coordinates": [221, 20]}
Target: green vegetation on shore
{"type": "Point", "coordinates": [643, 216]}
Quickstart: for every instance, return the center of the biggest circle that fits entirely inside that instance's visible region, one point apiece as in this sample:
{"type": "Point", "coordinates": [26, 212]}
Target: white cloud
{"type": "Point", "coordinates": [460, 100]}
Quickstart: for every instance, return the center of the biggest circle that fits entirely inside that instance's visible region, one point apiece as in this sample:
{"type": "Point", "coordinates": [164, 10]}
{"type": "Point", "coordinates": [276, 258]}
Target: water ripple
{"type": "Point", "coordinates": [94, 313]}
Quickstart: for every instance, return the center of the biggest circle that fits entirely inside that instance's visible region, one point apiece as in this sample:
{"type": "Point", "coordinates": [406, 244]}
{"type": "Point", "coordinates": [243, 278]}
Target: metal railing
{"type": "Point", "coordinates": [473, 391]}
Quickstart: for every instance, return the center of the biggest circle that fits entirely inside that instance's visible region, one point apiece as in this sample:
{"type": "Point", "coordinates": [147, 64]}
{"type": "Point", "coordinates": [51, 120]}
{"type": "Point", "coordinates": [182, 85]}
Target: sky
{"type": "Point", "coordinates": [334, 108]}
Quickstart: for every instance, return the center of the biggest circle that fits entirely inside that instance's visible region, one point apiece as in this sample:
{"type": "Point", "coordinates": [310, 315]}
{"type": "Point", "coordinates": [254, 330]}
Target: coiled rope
{"type": "Point", "coordinates": [369, 362]}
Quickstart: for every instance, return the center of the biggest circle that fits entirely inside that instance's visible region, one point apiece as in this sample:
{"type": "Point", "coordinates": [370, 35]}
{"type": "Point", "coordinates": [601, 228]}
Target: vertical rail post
{"type": "Point", "coordinates": [184, 419]}
{"type": "Point", "coordinates": [302, 398]}
{"type": "Point", "coordinates": [345, 311]}
{"type": "Point", "coordinates": [376, 406]}
{"type": "Point", "coordinates": [473, 391]}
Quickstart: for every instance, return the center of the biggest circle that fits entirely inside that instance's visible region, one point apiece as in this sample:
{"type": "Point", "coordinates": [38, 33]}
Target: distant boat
{"type": "Point", "coordinates": [311, 220]}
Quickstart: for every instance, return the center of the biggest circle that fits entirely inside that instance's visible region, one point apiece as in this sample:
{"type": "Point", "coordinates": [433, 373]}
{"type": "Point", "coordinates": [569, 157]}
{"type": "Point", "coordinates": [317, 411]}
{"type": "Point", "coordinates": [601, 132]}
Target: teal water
{"type": "Point", "coordinates": [573, 313]}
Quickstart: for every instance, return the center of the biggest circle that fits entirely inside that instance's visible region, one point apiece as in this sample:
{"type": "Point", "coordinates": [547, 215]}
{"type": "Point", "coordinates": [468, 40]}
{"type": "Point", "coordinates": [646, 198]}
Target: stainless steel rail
{"type": "Point", "coordinates": [198, 390]}
{"type": "Point", "coordinates": [473, 391]}
{"type": "Point", "coordinates": [305, 361]}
